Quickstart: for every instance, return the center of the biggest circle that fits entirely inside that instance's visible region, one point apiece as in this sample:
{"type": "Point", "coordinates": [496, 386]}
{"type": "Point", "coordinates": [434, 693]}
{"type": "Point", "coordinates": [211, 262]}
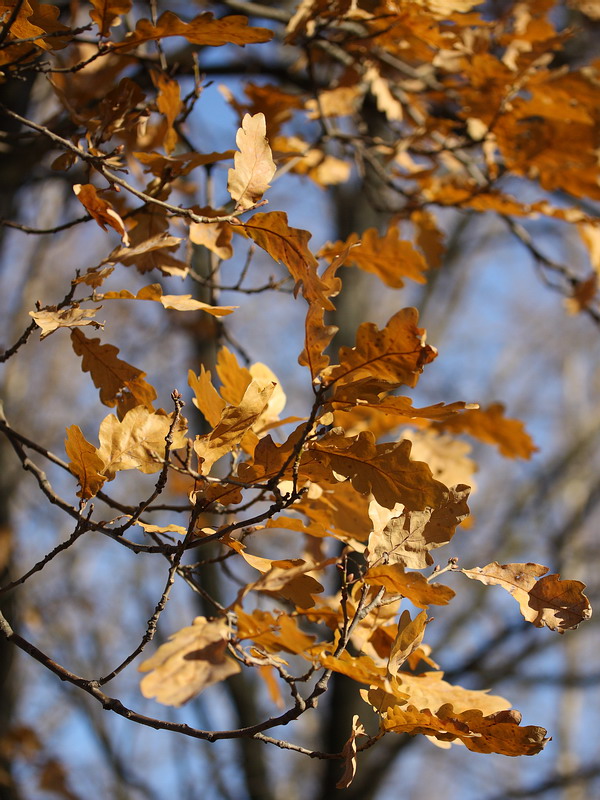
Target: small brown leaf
{"type": "Point", "coordinates": [107, 13]}
{"type": "Point", "coordinates": [72, 317]}
{"type": "Point", "coordinates": [85, 463]}
{"type": "Point", "coordinates": [193, 659]}
{"type": "Point", "coordinates": [100, 209]}
{"type": "Point", "coordinates": [349, 754]}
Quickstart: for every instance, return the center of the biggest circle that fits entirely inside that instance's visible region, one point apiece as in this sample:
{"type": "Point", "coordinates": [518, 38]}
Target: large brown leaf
{"type": "Point", "coordinates": [544, 601]}
{"type": "Point", "coordinates": [385, 470]}
{"type": "Point", "coordinates": [407, 538]}
{"type": "Point", "coordinates": [394, 355]}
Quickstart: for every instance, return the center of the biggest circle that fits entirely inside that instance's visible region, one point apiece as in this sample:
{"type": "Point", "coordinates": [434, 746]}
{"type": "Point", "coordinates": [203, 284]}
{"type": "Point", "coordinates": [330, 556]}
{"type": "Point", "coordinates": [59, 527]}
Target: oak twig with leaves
{"type": "Point", "coordinates": [469, 108]}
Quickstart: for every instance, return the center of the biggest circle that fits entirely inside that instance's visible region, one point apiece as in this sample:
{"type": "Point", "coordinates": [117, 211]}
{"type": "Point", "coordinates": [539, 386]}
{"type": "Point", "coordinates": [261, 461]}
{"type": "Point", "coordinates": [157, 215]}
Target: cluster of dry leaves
{"type": "Point", "coordinates": [472, 101]}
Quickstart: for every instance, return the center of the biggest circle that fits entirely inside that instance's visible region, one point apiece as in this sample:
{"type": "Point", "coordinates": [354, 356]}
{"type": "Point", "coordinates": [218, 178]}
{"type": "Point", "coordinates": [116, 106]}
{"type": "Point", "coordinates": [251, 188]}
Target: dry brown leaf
{"type": "Point", "coordinates": [100, 209]}
{"type": "Point", "coordinates": [193, 659]}
{"type": "Point", "coordinates": [491, 426]}
{"type": "Point", "coordinates": [544, 601]}
{"type": "Point", "coordinates": [408, 638]}
{"type": "Point", "coordinates": [412, 585]}
{"type": "Point", "coordinates": [273, 633]}
{"type": "Point", "coordinates": [394, 355]}
{"type": "Point", "coordinates": [254, 165]}
{"type": "Point", "coordinates": [107, 13]}
{"type": "Point", "coordinates": [176, 302]}
{"type": "Point", "coordinates": [496, 733]}
{"type": "Point", "coordinates": [73, 317]}
{"type": "Point", "coordinates": [349, 754]}
{"type": "Point", "coordinates": [202, 30]}
{"type": "Point", "coordinates": [84, 463]}
{"type": "Point", "coordinates": [289, 246]}
{"type": "Point", "coordinates": [168, 102]}
{"type": "Point", "coordinates": [385, 470]}
{"type": "Point", "coordinates": [115, 378]}
{"type": "Point", "coordinates": [137, 441]}
{"type": "Point", "coordinates": [206, 398]}
{"type": "Point", "coordinates": [408, 537]}
{"type": "Point", "coordinates": [389, 257]}
{"type": "Point", "coordinates": [234, 423]}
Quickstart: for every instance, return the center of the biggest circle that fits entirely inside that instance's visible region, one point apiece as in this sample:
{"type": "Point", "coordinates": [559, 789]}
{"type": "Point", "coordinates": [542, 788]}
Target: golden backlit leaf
{"type": "Point", "coordinates": [290, 247]}
{"type": "Point", "coordinates": [385, 470]}
{"type": "Point", "coordinates": [181, 164]}
{"type": "Point", "coordinates": [235, 421]}
{"type": "Point", "coordinates": [285, 578]}
{"type": "Point", "coordinates": [206, 398]}
{"type": "Point", "coordinates": [202, 30]}
{"type": "Point", "coordinates": [411, 585]}
{"type": "Point", "coordinates": [35, 20]}
{"type": "Point", "coordinates": [70, 317]}
{"type": "Point", "coordinates": [137, 441]}
{"type": "Point", "coordinates": [491, 426]}
{"type": "Point", "coordinates": [395, 355]}
{"type": "Point", "coordinates": [349, 754]}
{"type": "Point", "coordinates": [544, 601]}
{"type": "Point", "coordinates": [115, 378]}
{"type": "Point", "coordinates": [168, 102]}
{"type": "Point", "coordinates": [107, 13]}
{"type": "Point", "coordinates": [408, 638]}
{"type": "Point", "coordinates": [408, 538]}
{"type": "Point", "coordinates": [193, 659]}
{"type": "Point", "coordinates": [449, 458]}
{"type": "Point", "coordinates": [429, 690]}
{"type": "Point", "coordinates": [389, 257]}
{"type": "Point", "coordinates": [381, 89]}
{"type": "Point", "coordinates": [84, 463]}
{"type": "Point", "coordinates": [100, 209]}
{"type": "Point", "coordinates": [253, 164]}
{"type": "Point", "coordinates": [176, 302]}
{"type": "Point", "coordinates": [216, 236]}
{"type": "Point", "coordinates": [273, 633]}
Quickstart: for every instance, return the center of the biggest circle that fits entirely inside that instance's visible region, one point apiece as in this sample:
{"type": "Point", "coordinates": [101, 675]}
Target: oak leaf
{"type": "Point", "coordinates": [168, 102]}
{"type": "Point", "coordinates": [176, 302]}
{"type": "Point", "coordinates": [107, 13]}
{"type": "Point", "coordinates": [544, 601]}
{"type": "Point", "coordinates": [289, 246]}
{"type": "Point", "coordinates": [100, 209]}
{"type": "Point", "coordinates": [84, 463]}
{"type": "Point", "coordinates": [181, 164]}
{"type": "Point", "coordinates": [137, 441]}
{"type": "Point", "coordinates": [202, 30]}
{"type": "Point", "coordinates": [50, 320]}
{"type": "Point", "coordinates": [497, 733]}
{"type": "Point", "coordinates": [385, 470]}
{"type": "Point", "coordinates": [412, 585]}
{"type": "Point", "coordinates": [254, 165]}
{"type": "Point", "coordinates": [193, 659]}
{"type": "Point", "coordinates": [349, 754]}
{"type": "Point", "coordinates": [206, 398]}
{"type": "Point", "coordinates": [408, 638]}
{"type": "Point", "coordinates": [273, 633]}
{"type": "Point", "coordinates": [394, 355]}
{"type": "Point", "coordinates": [407, 538]}
{"type": "Point", "coordinates": [234, 423]}
{"type": "Point", "coordinates": [388, 256]}
{"type": "Point", "coordinates": [115, 378]}
{"type": "Point", "coordinates": [491, 426]}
